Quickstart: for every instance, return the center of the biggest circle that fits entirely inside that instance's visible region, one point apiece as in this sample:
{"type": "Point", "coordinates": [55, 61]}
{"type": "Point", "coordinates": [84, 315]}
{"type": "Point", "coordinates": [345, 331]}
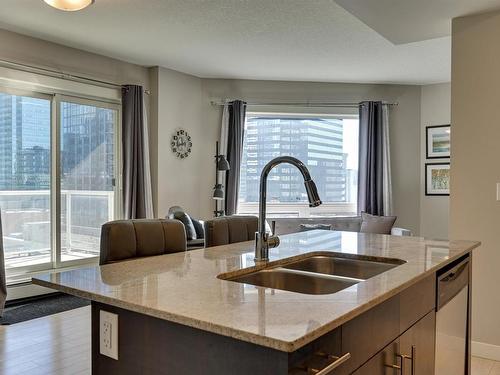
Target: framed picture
{"type": "Point", "coordinates": [437, 141]}
{"type": "Point", "coordinates": [437, 179]}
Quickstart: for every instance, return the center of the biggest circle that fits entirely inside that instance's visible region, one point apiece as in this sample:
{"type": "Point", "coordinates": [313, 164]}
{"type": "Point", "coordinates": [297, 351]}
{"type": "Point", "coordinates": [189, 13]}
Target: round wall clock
{"type": "Point", "coordinates": [181, 144]}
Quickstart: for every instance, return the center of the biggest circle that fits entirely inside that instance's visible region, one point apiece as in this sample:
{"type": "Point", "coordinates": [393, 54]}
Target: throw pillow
{"type": "Point", "coordinates": [198, 226]}
{"type": "Point", "coordinates": [188, 224]}
{"type": "Point", "coordinates": [376, 224]}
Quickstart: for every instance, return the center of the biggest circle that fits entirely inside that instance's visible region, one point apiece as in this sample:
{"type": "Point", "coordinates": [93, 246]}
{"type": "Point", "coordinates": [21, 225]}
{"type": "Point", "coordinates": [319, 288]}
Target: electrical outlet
{"type": "Point", "coordinates": [108, 334]}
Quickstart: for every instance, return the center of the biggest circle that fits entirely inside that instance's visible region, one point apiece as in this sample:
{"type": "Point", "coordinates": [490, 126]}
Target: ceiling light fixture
{"type": "Point", "coordinates": [69, 5]}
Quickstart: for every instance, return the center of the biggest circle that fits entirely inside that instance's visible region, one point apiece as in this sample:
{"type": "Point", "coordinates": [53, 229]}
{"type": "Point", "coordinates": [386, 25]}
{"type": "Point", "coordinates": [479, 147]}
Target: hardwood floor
{"type": "Point", "coordinates": [60, 344]}
{"type": "Point", "coordinates": [55, 345]}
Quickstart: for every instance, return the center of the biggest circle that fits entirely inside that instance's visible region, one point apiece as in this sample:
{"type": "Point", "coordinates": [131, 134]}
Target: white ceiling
{"type": "Point", "coordinates": [313, 40]}
{"type": "Point", "coordinates": [407, 21]}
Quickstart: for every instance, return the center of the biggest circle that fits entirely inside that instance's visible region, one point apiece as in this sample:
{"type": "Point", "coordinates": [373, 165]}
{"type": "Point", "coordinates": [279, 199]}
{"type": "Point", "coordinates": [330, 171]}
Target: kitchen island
{"type": "Point", "coordinates": [186, 313]}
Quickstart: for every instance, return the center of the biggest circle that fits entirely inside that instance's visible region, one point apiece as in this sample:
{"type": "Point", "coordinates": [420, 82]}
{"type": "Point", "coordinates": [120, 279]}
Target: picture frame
{"type": "Point", "coordinates": [437, 179]}
{"type": "Point", "coordinates": [437, 141]}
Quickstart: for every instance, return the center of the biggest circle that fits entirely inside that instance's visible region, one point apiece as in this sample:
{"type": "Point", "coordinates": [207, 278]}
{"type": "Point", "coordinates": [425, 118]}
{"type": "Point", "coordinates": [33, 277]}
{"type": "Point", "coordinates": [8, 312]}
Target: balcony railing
{"type": "Point", "coordinates": [26, 222]}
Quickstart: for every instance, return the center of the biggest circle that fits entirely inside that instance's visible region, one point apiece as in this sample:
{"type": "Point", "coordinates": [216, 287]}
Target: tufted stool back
{"type": "Point", "coordinates": [126, 239]}
{"type": "Point", "coordinates": [230, 229]}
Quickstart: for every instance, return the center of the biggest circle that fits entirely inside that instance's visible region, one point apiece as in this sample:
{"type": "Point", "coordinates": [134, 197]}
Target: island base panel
{"type": "Point", "coordinates": [148, 345]}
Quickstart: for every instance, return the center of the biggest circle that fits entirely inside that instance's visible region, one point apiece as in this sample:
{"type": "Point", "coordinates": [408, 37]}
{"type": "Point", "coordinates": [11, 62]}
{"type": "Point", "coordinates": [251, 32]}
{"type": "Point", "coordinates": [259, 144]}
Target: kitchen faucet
{"type": "Point", "coordinates": [262, 239]}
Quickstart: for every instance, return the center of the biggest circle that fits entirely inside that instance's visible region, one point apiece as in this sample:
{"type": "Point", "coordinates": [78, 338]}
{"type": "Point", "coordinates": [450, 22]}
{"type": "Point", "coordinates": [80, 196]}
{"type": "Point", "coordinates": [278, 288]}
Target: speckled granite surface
{"type": "Point", "coordinates": [184, 287]}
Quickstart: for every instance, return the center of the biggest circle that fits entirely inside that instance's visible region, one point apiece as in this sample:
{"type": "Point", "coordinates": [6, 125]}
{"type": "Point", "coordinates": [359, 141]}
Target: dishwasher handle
{"type": "Point", "coordinates": [454, 274]}
{"type": "Point", "coordinates": [452, 281]}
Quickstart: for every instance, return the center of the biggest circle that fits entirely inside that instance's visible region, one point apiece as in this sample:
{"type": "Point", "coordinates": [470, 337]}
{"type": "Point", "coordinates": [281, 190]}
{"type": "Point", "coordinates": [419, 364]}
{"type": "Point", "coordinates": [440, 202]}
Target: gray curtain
{"type": "Point", "coordinates": [236, 129]}
{"type": "Point", "coordinates": [374, 177]}
{"type": "Point", "coordinates": [137, 200]}
{"type": "Point", "coordinates": [3, 286]}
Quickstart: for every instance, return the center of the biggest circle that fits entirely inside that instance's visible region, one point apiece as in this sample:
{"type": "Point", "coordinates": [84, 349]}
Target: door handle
{"type": "Point", "coordinates": [411, 357]}
{"type": "Point", "coordinates": [401, 367]}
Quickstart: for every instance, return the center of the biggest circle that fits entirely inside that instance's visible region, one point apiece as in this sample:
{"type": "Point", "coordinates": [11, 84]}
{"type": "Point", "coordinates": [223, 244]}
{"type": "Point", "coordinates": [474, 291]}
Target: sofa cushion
{"type": "Point", "coordinates": [188, 224]}
{"type": "Point", "coordinates": [308, 227]}
{"type": "Point", "coordinates": [376, 224]}
{"type": "Point", "coordinates": [289, 225]}
{"type": "Point", "coordinates": [196, 244]}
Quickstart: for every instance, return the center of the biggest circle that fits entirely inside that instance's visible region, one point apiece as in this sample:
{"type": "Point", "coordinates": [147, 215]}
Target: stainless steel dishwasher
{"type": "Point", "coordinates": [452, 319]}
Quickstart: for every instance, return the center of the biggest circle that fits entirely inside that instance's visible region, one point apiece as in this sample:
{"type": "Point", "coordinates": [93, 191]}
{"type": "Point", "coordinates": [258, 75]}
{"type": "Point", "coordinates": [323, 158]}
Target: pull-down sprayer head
{"type": "Point", "coordinates": [262, 240]}
{"type": "Point", "coordinates": [312, 193]}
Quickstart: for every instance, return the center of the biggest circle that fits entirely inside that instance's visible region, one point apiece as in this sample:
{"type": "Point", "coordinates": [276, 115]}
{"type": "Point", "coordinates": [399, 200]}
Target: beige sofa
{"type": "Point", "coordinates": [281, 226]}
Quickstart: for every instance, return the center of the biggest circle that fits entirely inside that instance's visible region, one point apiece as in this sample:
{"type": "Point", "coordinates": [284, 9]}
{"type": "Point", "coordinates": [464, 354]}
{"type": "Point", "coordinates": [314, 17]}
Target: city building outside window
{"type": "Point", "coordinates": [328, 145]}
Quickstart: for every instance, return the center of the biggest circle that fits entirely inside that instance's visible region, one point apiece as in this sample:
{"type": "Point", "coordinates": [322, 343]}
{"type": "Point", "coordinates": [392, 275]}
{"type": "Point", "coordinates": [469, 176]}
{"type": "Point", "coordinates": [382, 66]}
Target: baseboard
{"type": "Point", "coordinates": [488, 351]}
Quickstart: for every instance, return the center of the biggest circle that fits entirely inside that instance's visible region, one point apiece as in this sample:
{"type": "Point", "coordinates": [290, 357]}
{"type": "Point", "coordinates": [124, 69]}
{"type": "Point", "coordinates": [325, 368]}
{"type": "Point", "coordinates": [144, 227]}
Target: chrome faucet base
{"type": "Point", "coordinates": [264, 242]}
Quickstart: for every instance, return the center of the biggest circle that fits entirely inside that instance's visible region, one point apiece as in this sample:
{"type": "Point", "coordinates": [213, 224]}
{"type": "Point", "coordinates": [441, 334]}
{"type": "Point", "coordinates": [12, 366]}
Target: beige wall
{"type": "Point", "coordinates": [434, 210]}
{"type": "Point", "coordinates": [184, 182]}
{"type": "Point", "coordinates": [475, 169]}
{"type": "Point", "coordinates": [404, 125]}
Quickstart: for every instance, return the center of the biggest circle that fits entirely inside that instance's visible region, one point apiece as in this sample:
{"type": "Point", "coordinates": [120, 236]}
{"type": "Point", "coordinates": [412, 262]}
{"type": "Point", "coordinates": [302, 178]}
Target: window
{"type": "Point", "coordinates": [328, 145]}
{"type": "Point", "coordinates": [52, 212]}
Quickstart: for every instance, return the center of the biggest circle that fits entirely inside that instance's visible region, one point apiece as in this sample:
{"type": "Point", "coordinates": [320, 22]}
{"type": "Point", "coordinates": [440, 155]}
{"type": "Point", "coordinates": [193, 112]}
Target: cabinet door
{"type": "Point", "coordinates": [385, 362]}
{"type": "Point", "coordinates": [369, 333]}
{"type": "Point", "coordinates": [418, 345]}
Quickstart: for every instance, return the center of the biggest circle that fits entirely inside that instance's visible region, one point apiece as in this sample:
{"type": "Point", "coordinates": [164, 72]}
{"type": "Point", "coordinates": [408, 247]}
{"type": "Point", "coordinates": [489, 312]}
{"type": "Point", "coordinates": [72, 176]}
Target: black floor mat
{"type": "Point", "coordinates": [41, 307]}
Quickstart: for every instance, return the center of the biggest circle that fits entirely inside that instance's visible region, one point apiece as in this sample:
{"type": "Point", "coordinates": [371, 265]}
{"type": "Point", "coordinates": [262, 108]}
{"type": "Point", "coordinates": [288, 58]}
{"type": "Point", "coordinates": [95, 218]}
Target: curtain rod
{"type": "Point", "coordinates": [298, 104]}
{"type": "Point", "coordinates": [57, 74]}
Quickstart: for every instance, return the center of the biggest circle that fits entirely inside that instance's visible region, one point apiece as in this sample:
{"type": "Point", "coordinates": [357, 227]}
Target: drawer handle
{"type": "Point", "coordinates": [404, 357]}
{"type": "Point", "coordinates": [332, 366]}
{"type": "Point", "coordinates": [401, 367]}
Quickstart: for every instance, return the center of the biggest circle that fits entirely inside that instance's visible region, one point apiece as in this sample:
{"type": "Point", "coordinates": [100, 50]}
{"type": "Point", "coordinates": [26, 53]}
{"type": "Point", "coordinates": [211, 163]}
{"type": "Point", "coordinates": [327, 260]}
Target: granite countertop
{"type": "Point", "coordinates": [184, 287]}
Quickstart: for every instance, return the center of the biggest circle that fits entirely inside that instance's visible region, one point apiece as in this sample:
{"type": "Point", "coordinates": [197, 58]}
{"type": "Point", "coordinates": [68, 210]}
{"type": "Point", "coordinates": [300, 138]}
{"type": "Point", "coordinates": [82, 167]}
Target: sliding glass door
{"type": "Point", "coordinates": [58, 164]}
{"type": "Point", "coordinates": [87, 138]}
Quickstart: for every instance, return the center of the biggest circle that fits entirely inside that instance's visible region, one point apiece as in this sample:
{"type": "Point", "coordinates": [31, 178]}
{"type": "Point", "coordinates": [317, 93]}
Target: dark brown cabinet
{"type": "Point", "coordinates": [410, 354]}
{"type": "Point", "coordinates": [417, 344]}
{"type": "Point", "coordinates": [385, 362]}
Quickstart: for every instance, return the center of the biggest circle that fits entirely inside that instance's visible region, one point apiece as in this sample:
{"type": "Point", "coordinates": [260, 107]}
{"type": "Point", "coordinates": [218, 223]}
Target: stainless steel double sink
{"type": "Point", "coordinates": [319, 274]}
